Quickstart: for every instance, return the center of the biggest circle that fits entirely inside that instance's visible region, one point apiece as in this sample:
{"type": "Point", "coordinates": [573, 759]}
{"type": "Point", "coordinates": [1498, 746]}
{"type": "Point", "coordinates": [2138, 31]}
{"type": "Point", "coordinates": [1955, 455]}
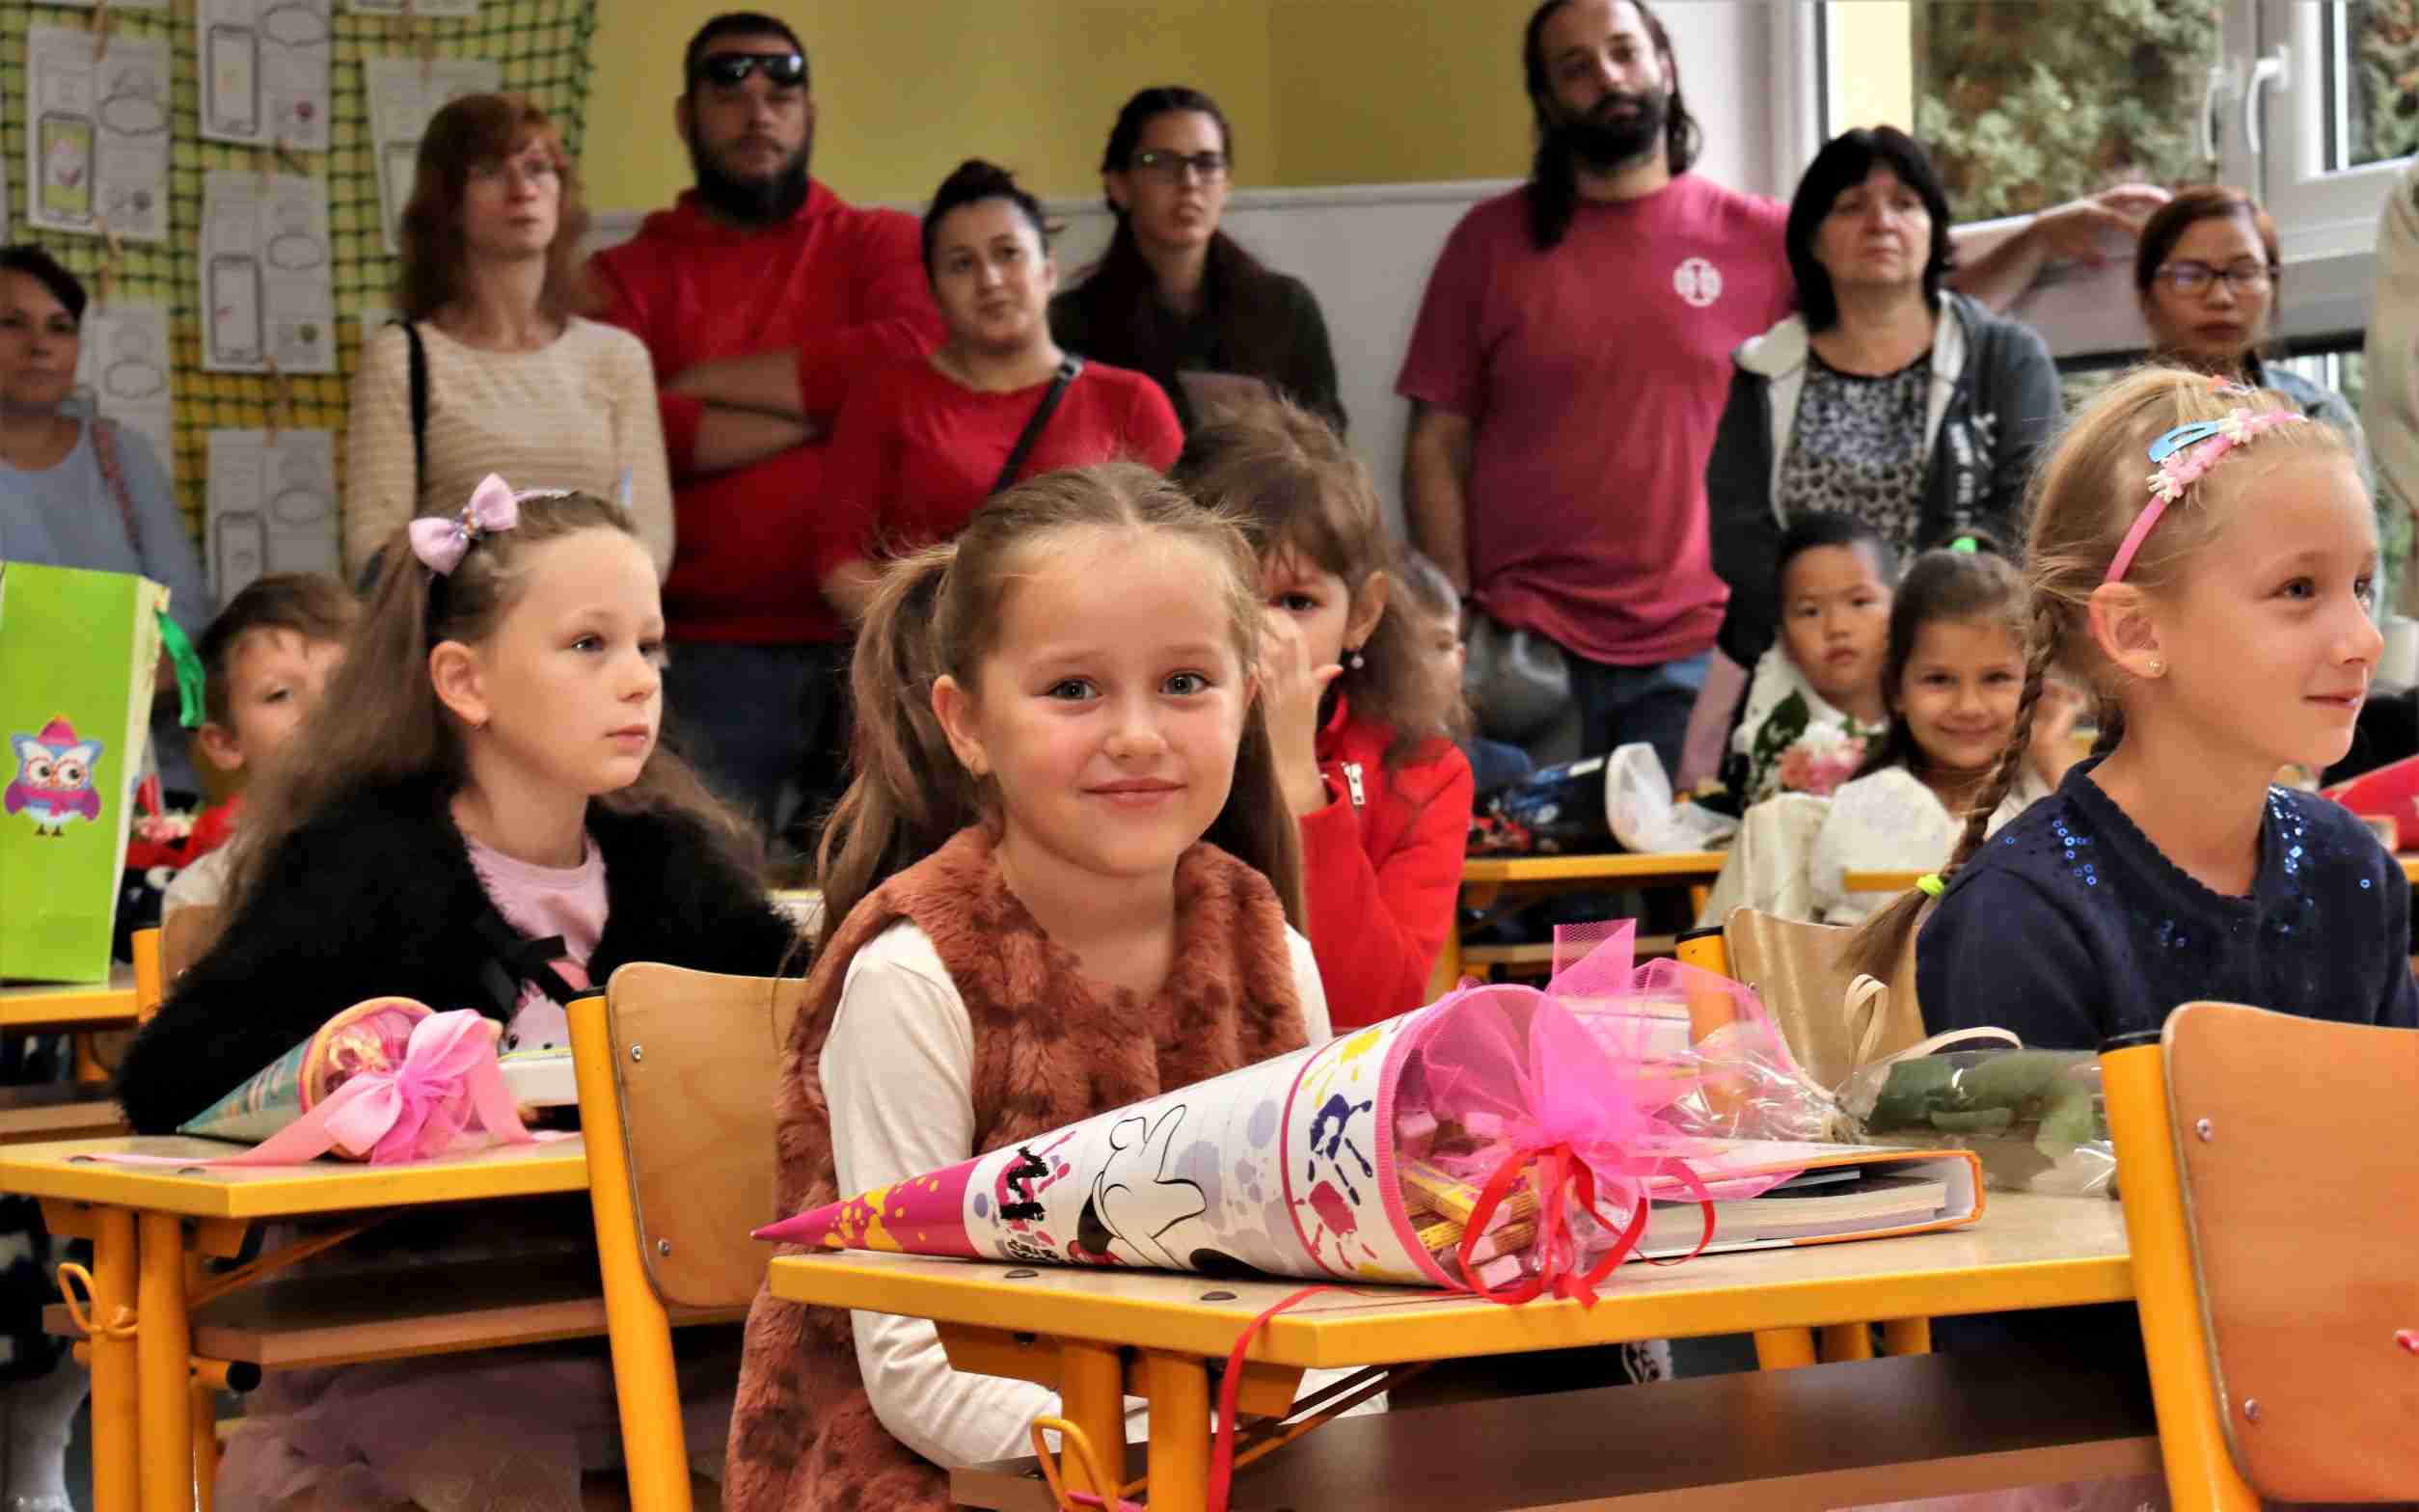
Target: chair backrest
{"type": "Point", "coordinates": [186, 934]}
{"type": "Point", "coordinates": [695, 1057]}
{"type": "Point", "coordinates": [1797, 970]}
{"type": "Point", "coordinates": [2296, 1195]}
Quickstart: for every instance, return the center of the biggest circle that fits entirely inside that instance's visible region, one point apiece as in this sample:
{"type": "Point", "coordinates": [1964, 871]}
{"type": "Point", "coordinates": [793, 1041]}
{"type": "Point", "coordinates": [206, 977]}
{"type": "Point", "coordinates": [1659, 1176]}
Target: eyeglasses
{"type": "Point", "coordinates": [730, 69]}
{"type": "Point", "coordinates": [2194, 278]}
{"type": "Point", "coordinates": [1171, 165]}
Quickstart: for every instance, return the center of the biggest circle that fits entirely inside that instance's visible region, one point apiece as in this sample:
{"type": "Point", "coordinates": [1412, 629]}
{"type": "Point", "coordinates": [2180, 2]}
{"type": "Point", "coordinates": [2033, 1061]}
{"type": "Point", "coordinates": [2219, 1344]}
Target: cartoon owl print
{"type": "Point", "coordinates": [54, 778]}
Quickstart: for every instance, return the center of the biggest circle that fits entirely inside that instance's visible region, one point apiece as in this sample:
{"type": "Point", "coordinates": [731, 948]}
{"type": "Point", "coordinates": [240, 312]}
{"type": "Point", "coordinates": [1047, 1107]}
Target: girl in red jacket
{"type": "Point", "coordinates": [1360, 731]}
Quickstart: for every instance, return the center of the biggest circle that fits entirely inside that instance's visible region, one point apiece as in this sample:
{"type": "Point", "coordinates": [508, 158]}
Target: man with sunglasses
{"type": "Point", "coordinates": [761, 296]}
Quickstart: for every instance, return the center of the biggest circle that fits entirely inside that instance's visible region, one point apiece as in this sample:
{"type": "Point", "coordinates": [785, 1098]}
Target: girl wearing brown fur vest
{"type": "Point", "coordinates": [1062, 881]}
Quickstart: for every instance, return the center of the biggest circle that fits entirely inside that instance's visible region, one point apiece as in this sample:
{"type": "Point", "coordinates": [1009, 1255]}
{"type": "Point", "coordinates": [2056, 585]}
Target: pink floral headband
{"type": "Point", "coordinates": [440, 542]}
{"type": "Point", "coordinates": [2184, 454]}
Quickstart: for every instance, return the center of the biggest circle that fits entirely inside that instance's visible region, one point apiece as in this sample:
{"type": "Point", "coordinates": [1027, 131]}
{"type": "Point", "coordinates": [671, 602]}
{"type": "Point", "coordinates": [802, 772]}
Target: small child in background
{"type": "Point", "coordinates": [265, 662]}
{"type": "Point", "coordinates": [1361, 725]}
{"type": "Point", "coordinates": [2206, 558]}
{"type": "Point", "coordinates": [1814, 700]}
{"type": "Point", "coordinates": [1058, 883]}
{"type": "Point", "coordinates": [1955, 671]}
{"type": "Point", "coordinates": [1494, 765]}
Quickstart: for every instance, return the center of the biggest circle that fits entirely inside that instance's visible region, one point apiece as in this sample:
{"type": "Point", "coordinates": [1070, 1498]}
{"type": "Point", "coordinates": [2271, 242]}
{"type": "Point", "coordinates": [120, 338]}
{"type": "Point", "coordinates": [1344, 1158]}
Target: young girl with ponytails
{"type": "Point", "coordinates": [1060, 882]}
{"type": "Point", "coordinates": [1361, 729]}
{"type": "Point", "coordinates": [2204, 557]}
{"type": "Point", "coordinates": [485, 821]}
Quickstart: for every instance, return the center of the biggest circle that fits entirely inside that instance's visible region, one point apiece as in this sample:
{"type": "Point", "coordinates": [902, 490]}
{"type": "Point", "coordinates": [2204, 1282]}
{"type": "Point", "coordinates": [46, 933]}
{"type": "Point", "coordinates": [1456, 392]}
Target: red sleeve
{"type": "Point", "coordinates": [1152, 432]}
{"type": "Point", "coordinates": [894, 306]}
{"type": "Point", "coordinates": [681, 414]}
{"type": "Point", "coordinates": [860, 477]}
{"type": "Point", "coordinates": [1447, 358]}
{"type": "Point", "coordinates": [1377, 927]}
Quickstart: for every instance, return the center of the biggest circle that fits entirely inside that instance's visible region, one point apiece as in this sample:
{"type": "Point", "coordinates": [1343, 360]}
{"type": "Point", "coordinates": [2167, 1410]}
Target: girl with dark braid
{"type": "Point", "coordinates": [2205, 558]}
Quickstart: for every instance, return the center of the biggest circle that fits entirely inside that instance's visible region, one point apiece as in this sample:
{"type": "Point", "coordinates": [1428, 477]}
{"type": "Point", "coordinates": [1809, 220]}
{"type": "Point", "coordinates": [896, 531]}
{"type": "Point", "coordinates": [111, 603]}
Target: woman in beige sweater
{"type": "Point", "coordinates": [517, 383]}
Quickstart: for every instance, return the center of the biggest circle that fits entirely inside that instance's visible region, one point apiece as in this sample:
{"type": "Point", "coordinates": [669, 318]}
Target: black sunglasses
{"type": "Point", "coordinates": [731, 68]}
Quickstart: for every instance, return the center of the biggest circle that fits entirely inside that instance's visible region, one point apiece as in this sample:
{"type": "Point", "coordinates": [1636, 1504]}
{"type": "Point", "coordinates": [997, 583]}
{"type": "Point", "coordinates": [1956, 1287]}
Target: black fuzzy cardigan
{"type": "Point", "coordinates": [377, 898]}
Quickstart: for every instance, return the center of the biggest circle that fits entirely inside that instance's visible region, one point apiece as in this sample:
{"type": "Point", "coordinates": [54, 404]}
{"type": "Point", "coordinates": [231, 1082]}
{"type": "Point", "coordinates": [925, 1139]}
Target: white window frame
{"type": "Point", "coordinates": [2319, 213]}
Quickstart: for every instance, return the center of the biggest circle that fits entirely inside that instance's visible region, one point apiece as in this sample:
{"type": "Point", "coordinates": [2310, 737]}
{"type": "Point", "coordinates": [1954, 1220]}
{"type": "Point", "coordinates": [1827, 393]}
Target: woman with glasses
{"type": "Point", "coordinates": [2206, 274]}
{"type": "Point", "coordinates": [507, 378]}
{"type": "Point", "coordinates": [1176, 297]}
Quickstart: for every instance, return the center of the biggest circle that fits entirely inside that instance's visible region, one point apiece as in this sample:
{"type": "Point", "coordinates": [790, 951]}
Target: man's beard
{"type": "Point", "coordinates": [753, 201]}
{"type": "Point", "coordinates": [1604, 140]}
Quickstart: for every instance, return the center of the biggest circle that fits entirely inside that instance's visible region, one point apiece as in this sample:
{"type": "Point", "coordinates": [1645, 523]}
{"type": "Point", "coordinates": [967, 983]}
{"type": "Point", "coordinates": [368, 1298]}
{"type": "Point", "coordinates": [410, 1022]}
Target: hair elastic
{"type": "Point", "coordinates": [2184, 454]}
{"type": "Point", "coordinates": [1930, 885]}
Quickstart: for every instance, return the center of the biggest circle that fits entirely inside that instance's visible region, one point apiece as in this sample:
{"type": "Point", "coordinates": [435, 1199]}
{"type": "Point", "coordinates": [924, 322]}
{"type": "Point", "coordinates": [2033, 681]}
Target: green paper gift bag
{"type": "Point", "coordinates": [77, 651]}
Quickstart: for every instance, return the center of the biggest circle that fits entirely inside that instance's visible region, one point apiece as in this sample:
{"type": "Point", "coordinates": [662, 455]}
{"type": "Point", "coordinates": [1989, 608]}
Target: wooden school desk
{"type": "Point", "coordinates": [1487, 880]}
{"type": "Point", "coordinates": [145, 1222]}
{"type": "Point", "coordinates": [27, 1008]}
{"type": "Point", "coordinates": [1068, 1327]}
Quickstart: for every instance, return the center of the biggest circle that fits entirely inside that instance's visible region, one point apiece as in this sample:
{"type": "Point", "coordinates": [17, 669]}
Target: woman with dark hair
{"type": "Point", "coordinates": [922, 442]}
{"type": "Point", "coordinates": [1176, 297]}
{"type": "Point", "coordinates": [1887, 397]}
{"type": "Point", "coordinates": [493, 370]}
{"type": "Point", "coordinates": [2207, 273]}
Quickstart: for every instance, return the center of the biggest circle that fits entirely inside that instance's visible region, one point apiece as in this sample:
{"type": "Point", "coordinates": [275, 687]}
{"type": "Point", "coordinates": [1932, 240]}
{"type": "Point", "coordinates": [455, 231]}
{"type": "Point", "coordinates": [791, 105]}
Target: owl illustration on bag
{"type": "Point", "coordinates": [54, 778]}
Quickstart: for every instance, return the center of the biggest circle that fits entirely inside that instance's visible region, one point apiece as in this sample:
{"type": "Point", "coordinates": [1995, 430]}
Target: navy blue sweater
{"type": "Point", "coordinates": [2069, 926]}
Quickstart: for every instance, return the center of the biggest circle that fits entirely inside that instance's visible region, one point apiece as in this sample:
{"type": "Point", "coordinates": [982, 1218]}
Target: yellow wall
{"type": "Point", "coordinates": [1383, 92]}
{"type": "Point", "coordinates": [908, 88]}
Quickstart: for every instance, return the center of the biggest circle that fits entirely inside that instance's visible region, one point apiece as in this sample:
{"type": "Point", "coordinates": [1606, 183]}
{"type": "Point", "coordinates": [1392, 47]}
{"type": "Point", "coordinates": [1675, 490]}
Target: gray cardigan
{"type": "Point", "coordinates": [1995, 398]}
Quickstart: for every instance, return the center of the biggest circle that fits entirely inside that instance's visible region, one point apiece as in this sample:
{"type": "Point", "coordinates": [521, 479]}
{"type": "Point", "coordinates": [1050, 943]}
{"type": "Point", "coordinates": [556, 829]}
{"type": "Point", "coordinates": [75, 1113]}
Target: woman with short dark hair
{"type": "Point", "coordinates": [512, 380]}
{"type": "Point", "coordinates": [1887, 397]}
{"type": "Point", "coordinates": [1176, 297]}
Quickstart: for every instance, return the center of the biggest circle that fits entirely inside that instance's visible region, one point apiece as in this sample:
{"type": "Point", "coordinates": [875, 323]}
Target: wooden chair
{"type": "Point", "coordinates": [1794, 968]}
{"type": "Point", "coordinates": [185, 936]}
{"type": "Point", "coordinates": [2267, 1200]}
{"type": "Point", "coordinates": [676, 1072]}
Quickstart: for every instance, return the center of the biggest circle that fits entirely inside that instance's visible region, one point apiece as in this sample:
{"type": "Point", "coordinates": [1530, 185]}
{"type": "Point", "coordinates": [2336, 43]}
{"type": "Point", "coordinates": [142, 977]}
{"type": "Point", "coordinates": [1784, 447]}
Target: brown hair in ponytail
{"type": "Point", "coordinates": [938, 612]}
{"type": "Point", "coordinates": [2084, 499]}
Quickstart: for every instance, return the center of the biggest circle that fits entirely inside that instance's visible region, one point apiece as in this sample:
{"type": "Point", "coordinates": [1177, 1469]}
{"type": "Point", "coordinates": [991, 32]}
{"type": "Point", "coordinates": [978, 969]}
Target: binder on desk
{"type": "Point", "coordinates": [1840, 1192]}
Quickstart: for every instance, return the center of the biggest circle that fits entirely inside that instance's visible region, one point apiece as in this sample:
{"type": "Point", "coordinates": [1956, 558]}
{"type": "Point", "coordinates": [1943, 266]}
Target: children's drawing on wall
{"type": "Point", "coordinates": [264, 71]}
{"type": "Point", "coordinates": [271, 506]}
{"type": "Point", "coordinates": [266, 292]}
{"type": "Point", "coordinates": [123, 364]}
{"type": "Point", "coordinates": [97, 134]}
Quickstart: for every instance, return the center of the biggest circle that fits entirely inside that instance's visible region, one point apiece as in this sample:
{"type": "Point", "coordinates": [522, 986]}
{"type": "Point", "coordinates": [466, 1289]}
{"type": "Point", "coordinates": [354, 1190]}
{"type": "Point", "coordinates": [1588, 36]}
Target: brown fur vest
{"type": "Point", "coordinates": [1051, 1046]}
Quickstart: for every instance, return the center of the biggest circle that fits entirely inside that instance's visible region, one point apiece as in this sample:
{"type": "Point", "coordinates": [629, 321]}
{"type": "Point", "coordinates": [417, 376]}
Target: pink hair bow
{"type": "Point", "coordinates": [440, 542]}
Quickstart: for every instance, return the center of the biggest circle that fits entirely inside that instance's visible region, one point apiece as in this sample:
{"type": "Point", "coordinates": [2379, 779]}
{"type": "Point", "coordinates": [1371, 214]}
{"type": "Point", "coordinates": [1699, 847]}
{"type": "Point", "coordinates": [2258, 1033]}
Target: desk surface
{"type": "Point", "coordinates": [1611, 866]}
{"type": "Point", "coordinates": [50, 1005]}
{"type": "Point", "coordinates": [326, 1186]}
{"type": "Point", "coordinates": [2026, 1252]}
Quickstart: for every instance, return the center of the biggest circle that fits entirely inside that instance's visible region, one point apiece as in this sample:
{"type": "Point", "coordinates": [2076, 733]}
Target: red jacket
{"type": "Point", "coordinates": [846, 288]}
{"type": "Point", "coordinates": [1382, 866]}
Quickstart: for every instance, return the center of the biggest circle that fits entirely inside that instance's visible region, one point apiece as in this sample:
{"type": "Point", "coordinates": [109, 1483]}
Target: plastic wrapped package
{"type": "Point", "coordinates": [2035, 1116]}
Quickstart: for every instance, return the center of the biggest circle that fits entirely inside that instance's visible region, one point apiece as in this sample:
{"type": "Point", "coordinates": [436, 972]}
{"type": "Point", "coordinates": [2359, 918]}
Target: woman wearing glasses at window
{"type": "Point", "coordinates": [2207, 273]}
{"type": "Point", "coordinates": [1177, 298]}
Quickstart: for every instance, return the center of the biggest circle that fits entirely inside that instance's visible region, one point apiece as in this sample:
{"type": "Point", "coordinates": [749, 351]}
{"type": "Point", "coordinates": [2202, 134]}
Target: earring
{"type": "Point", "coordinates": [1356, 661]}
{"type": "Point", "coordinates": [2157, 667]}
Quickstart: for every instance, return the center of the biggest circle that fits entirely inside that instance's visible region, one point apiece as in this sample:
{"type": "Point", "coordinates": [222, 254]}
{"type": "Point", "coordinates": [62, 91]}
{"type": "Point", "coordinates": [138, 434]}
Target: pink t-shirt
{"type": "Point", "coordinates": [542, 901]}
{"type": "Point", "coordinates": [1594, 375]}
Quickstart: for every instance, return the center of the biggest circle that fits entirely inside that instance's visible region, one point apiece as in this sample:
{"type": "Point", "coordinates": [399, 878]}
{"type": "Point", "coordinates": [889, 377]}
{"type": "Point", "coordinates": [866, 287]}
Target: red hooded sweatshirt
{"type": "Point", "coordinates": [1382, 868]}
{"type": "Point", "coordinates": [844, 286]}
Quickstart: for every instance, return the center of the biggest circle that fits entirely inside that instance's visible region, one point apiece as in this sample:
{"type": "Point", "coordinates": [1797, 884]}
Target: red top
{"type": "Point", "coordinates": [1382, 868]}
{"type": "Point", "coordinates": [915, 453]}
{"type": "Point", "coordinates": [846, 288]}
{"type": "Point", "coordinates": [1594, 374]}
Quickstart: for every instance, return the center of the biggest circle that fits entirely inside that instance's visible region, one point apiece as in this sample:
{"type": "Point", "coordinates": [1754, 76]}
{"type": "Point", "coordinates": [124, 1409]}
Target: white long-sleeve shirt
{"type": "Point", "coordinates": [898, 1074]}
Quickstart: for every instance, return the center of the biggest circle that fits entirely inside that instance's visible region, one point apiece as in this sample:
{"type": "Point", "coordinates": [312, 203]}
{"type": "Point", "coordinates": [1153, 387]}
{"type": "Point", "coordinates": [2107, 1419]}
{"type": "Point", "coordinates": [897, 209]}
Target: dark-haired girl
{"type": "Point", "coordinates": [923, 441]}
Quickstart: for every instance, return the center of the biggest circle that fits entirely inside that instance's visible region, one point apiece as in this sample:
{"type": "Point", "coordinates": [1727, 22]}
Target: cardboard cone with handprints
{"type": "Point", "coordinates": [1368, 1158]}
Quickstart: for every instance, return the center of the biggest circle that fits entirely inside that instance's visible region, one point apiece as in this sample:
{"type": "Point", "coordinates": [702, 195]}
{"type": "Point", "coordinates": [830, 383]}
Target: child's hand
{"type": "Point", "coordinates": [2054, 719]}
{"type": "Point", "coordinates": [1290, 690]}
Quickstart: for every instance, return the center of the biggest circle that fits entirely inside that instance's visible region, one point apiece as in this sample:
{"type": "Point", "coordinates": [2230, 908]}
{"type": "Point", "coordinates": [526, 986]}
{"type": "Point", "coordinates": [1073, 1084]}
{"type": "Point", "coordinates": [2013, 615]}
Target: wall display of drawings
{"type": "Point", "coordinates": [124, 366]}
{"type": "Point", "coordinates": [263, 69]}
{"type": "Point", "coordinates": [266, 297]}
{"type": "Point", "coordinates": [97, 133]}
{"type": "Point", "coordinates": [272, 505]}
{"type": "Point", "coordinates": [452, 9]}
{"type": "Point", "coordinates": [403, 94]}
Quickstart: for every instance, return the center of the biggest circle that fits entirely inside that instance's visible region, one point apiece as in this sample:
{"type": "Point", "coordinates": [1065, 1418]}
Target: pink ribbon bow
{"type": "Point", "coordinates": [448, 1089]}
{"type": "Point", "coordinates": [440, 543]}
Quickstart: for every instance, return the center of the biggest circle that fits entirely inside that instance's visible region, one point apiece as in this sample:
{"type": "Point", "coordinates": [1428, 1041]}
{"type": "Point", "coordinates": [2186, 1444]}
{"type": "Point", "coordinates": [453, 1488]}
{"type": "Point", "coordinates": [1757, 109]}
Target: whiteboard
{"type": "Point", "coordinates": [1365, 250]}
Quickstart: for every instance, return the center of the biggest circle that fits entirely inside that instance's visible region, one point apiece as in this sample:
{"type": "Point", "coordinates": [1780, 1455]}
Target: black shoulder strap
{"type": "Point", "coordinates": [419, 409]}
{"type": "Point", "coordinates": [1033, 428]}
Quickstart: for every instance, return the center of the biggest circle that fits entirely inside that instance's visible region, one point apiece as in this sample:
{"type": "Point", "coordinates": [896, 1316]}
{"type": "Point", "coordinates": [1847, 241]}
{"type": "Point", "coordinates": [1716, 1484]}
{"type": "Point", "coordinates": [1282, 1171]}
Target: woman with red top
{"type": "Point", "coordinates": [1361, 730]}
{"type": "Point", "coordinates": [919, 446]}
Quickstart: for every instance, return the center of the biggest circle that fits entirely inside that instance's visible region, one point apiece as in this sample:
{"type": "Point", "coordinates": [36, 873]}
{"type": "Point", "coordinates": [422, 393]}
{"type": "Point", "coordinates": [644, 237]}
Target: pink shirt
{"type": "Point", "coordinates": [1594, 375]}
{"type": "Point", "coordinates": [542, 901]}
